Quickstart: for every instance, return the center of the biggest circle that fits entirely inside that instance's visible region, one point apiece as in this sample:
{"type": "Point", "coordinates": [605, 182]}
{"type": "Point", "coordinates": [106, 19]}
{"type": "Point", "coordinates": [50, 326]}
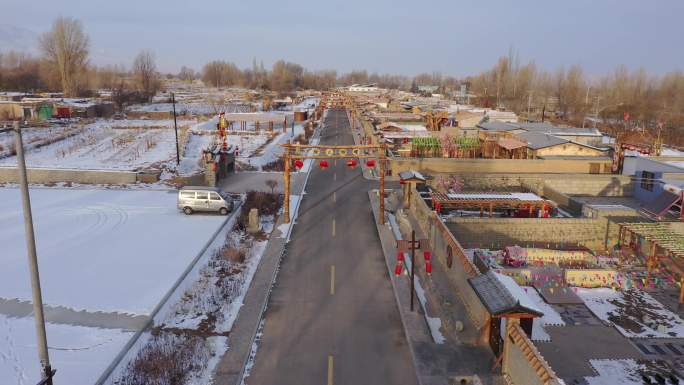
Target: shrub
{"type": "Point", "coordinates": [276, 165]}
{"type": "Point", "coordinates": [266, 204]}
{"type": "Point", "coordinates": [167, 360]}
{"type": "Point", "coordinates": [234, 254]}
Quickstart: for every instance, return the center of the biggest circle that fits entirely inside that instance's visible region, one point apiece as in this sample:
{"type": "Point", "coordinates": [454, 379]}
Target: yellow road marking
{"type": "Point", "coordinates": [330, 370]}
{"type": "Point", "coordinates": [333, 229]}
{"type": "Point", "coordinates": [332, 280]}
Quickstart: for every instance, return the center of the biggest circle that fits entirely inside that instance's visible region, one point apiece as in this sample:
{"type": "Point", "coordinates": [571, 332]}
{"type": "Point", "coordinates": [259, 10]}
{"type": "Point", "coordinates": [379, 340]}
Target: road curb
{"type": "Point", "coordinates": [233, 375]}
{"type": "Point", "coordinates": [390, 271]}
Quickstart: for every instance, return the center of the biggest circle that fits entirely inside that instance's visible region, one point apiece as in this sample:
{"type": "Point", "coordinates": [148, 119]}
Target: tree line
{"type": "Point", "coordinates": [63, 66]}
{"type": "Point", "coordinates": [566, 93]}
{"type": "Point", "coordinates": [622, 98]}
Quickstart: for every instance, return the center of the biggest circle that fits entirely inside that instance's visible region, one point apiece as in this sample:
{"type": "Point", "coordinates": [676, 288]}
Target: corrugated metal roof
{"type": "Point", "coordinates": [537, 140]}
{"type": "Point", "coordinates": [496, 126]}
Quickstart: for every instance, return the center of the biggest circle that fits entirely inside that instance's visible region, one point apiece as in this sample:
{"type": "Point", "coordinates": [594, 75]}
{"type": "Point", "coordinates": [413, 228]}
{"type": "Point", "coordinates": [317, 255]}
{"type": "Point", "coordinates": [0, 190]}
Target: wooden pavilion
{"type": "Point", "coordinates": [507, 201]}
{"type": "Point", "coordinates": [664, 244]}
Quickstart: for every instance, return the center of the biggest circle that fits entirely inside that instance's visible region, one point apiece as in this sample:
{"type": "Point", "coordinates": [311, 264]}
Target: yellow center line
{"type": "Point", "coordinates": [333, 229]}
{"type": "Point", "coordinates": [332, 280]}
{"type": "Point", "coordinates": [330, 370]}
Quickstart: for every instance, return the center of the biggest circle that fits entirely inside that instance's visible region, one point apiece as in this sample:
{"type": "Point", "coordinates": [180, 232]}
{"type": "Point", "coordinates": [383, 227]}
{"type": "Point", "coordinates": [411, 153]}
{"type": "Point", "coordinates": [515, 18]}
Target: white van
{"type": "Point", "coordinates": [198, 198]}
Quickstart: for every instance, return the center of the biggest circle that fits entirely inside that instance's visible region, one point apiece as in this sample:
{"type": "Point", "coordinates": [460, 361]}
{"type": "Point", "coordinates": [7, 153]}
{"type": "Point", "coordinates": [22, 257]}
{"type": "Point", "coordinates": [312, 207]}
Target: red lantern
{"type": "Point", "coordinates": [428, 267]}
{"type": "Point", "coordinates": [426, 255]}
{"type": "Point", "coordinates": [323, 164]}
{"type": "Point", "coordinates": [298, 164]}
{"type": "Point", "coordinates": [351, 163]}
{"type": "Point", "coordinates": [438, 207]}
{"type": "Point", "coordinates": [398, 269]}
{"type": "Point", "coordinates": [400, 256]}
{"type": "Point", "coordinates": [370, 163]}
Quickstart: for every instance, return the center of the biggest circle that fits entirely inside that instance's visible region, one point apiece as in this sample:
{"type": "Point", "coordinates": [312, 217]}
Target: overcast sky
{"type": "Point", "coordinates": [408, 37]}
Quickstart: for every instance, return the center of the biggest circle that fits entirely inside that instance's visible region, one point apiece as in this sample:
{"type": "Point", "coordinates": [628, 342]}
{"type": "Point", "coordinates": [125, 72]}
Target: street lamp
{"type": "Point", "coordinates": [46, 371]}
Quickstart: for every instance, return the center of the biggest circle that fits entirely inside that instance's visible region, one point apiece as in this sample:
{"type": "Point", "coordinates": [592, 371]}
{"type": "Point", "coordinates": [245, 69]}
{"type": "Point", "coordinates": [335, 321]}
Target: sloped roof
{"type": "Point", "coordinates": [555, 130]}
{"type": "Point", "coordinates": [412, 175]}
{"type": "Point", "coordinates": [537, 140]}
{"type": "Point", "coordinates": [496, 126]}
{"type": "Point", "coordinates": [501, 295]}
{"type": "Point", "coordinates": [510, 143]}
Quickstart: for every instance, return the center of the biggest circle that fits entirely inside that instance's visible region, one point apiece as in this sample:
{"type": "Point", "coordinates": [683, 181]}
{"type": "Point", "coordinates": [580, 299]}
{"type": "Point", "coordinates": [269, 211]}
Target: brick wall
{"type": "Point", "coordinates": [461, 269]}
{"type": "Point", "coordinates": [44, 175]}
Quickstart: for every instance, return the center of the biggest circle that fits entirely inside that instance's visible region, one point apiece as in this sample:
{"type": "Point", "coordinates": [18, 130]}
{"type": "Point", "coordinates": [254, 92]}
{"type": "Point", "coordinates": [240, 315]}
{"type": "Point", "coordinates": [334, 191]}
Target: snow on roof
{"type": "Point", "coordinates": [517, 292]}
{"type": "Point", "coordinates": [413, 127]}
{"type": "Point", "coordinates": [515, 196]}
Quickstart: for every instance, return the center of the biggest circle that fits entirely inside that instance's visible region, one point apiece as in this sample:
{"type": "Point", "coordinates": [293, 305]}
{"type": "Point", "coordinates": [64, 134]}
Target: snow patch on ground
{"type": "Point", "coordinates": [633, 312]}
{"type": "Point", "coordinates": [435, 324]}
{"type": "Point", "coordinates": [550, 318]}
{"type": "Point", "coordinates": [630, 372]}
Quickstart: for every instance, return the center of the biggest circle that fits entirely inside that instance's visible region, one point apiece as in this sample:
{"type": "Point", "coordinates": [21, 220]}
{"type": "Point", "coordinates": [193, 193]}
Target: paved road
{"type": "Point", "coordinates": [332, 317]}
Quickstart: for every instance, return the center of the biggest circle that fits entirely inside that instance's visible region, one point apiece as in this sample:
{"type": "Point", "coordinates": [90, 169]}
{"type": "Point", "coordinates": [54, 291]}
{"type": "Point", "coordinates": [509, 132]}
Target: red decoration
{"type": "Point", "coordinates": [438, 206]}
{"type": "Point", "coordinates": [398, 269]}
{"type": "Point", "coordinates": [323, 164]}
{"type": "Point", "coordinates": [400, 256]}
{"type": "Point", "coordinates": [370, 163]}
{"type": "Point", "coordinates": [426, 255]}
{"type": "Point", "coordinates": [351, 163]}
{"type": "Point", "coordinates": [298, 164]}
{"type": "Point", "coordinates": [428, 267]}
{"type": "Point", "coordinates": [401, 181]}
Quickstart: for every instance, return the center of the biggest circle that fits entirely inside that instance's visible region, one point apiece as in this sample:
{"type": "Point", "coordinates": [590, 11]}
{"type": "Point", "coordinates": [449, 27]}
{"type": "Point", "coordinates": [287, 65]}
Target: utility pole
{"type": "Point", "coordinates": [175, 127]}
{"type": "Point", "coordinates": [46, 371]}
{"type": "Point", "coordinates": [414, 244]}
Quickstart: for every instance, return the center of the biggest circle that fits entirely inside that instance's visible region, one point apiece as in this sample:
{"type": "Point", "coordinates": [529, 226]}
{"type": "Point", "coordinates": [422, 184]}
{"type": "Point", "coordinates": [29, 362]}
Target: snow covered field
{"type": "Point", "coordinates": [108, 144]}
{"type": "Point", "coordinates": [80, 354]}
{"type": "Point", "coordinates": [105, 250]}
{"type": "Point", "coordinates": [99, 251]}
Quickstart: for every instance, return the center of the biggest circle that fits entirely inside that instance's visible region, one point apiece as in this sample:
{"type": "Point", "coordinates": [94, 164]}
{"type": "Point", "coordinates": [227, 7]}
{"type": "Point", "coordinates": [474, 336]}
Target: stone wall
{"type": "Point", "coordinates": [540, 232]}
{"type": "Point", "coordinates": [569, 184]}
{"type": "Point", "coordinates": [487, 166]}
{"type": "Point", "coordinates": [45, 175]}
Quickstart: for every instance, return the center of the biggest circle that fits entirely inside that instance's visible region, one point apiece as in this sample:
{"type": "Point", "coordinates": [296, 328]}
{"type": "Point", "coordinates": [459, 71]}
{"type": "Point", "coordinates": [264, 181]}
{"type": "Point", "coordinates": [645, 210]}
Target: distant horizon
{"type": "Point", "coordinates": [384, 37]}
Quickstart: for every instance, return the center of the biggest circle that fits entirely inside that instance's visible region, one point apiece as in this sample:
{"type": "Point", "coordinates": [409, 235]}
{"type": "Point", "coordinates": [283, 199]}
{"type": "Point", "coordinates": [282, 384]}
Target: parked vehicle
{"type": "Point", "coordinates": [207, 199]}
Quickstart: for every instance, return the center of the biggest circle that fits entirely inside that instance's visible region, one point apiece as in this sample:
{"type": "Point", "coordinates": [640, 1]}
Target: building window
{"type": "Point", "coordinates": [647, 178]}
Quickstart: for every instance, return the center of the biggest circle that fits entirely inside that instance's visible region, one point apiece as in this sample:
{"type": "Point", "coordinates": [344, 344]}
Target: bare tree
{"type": "Point", "coordinates": [272, 183]}
{"type": "Point", "coordinates": [146, 76]}
{"type": "Point", "coordinates": [65, 47]}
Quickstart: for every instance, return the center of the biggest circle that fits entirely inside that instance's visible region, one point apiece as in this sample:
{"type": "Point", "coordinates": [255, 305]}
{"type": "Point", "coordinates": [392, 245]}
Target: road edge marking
{"type": "Point", "coordinates": [330, 370]}
{"type": "Point", "coordinates": [332, 280]}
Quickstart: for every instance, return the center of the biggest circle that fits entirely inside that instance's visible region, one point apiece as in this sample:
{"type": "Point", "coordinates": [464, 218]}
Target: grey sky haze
{"type": "Point", "coordinates": [408, 37]}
